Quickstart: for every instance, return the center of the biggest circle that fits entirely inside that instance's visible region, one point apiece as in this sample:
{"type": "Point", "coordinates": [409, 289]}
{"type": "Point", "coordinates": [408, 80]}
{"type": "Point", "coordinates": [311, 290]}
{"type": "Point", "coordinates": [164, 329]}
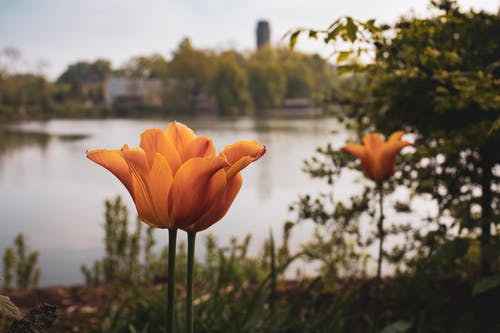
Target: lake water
{"type": "Point", "coordinates": [55, 196]}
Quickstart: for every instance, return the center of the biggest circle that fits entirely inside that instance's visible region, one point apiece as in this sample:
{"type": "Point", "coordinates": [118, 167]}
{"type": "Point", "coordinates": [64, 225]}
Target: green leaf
{"type": "Point", "coordinates": [352, 29]}
{"type": "Point", "coordinates": [334, 23]}
{"type": "Point", "coordinates": [371, 27]}
{"type": "Point", "coordinates": [485, 284]}
{"type": "Point", "coordinates": [332, 34]}
{"type": "Point", "coordinates": [293, 38]}
{"type": "Point", "coordinates": [313, 34]}
{"type": "Point", "coordinates": [343, 56]}
{"type": "Point", "coordinates": [370, 23]}
{"type": "Point", "coordinates": [8, 309]}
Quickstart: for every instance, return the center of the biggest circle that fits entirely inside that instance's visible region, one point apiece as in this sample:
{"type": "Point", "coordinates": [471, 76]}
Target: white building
{"type": "Point", "coordinates": [119, 90]}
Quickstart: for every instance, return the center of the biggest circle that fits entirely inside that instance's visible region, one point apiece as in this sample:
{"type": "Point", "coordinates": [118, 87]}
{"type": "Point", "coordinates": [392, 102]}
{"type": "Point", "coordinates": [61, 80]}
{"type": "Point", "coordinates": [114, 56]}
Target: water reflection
{"type": "Point", "coordinates": [12, 139]}
{"type": "Point", "coordinates": [52, 193]}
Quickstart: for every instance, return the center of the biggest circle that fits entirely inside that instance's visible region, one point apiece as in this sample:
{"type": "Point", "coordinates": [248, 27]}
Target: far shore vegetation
{"type": "Point", "coordinates": [190, 82]}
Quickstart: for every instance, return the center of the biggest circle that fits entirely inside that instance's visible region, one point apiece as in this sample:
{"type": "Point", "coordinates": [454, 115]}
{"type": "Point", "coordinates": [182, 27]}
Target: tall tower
{"type": "Point", "coordinates": [263, 33]}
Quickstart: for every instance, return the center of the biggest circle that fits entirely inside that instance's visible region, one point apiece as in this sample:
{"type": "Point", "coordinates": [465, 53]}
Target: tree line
{"type": "Point", "coordinates": [232, 83]}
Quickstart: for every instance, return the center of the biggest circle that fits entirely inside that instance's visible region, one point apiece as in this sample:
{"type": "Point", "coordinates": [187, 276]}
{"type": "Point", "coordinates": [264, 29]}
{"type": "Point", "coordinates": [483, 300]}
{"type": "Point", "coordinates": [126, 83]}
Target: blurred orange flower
{"type": "Point", "coordinates": [378, 158]}
{"type": "Point", "coordinates": [175, 178]}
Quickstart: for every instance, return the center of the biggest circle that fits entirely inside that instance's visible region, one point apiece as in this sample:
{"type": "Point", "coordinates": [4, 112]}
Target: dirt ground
{"type": "Point", "coordinates": [77, 306]}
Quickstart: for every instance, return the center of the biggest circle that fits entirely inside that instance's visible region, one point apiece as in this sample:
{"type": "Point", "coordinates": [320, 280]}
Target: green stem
{"type": "Point", "coordinates": [381, 235]}
{"type": "Point", "coordinates": [189, 287]}
{"type": "Point", "coordinates": [273, 269]}
{"type": "Point", "coordinates": [172, 238]}
{"type": "Point", "coordinates": [380, 227]}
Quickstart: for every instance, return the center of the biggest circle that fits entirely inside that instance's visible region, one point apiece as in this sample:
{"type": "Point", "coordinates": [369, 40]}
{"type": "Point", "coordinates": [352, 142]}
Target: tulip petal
{"type": "Point", "coordinates": [159, 183]}
{"type": "Point", "coordinates": [113, 161]}
{"type": "Point", "coordinates": [396, 136]}
{"type": "Point", "coordinates": [220, 206]}
{"type": "Point", "coordinates": [393, 146]}
{"type": "Point", "coordinates": [240, 154]}
{"type": "Point", "coordinates": [388, 156]}
{"type": "Point", "coordinates": [357, 150]}
{"type": "Point", "coordinates": [364, 156]}
{"type": "Point", "coordinates": [391, 149]}
{"type": "Point", "coordinates": [373, 142]}
{"type": "Point", "coordinates": [154, 140]}
{"type": "Point", "coordinates": [199, 147]}
{"type": "Point", "coordinates": [179, 135]}
{"type": "Point", "coordinates": [195, 187]}
{"type": "Point", "coordinates": [139, 169]}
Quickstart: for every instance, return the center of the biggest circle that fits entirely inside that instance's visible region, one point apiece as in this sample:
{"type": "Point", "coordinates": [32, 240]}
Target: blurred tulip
{"type": "Point", "coordinates": [378, 158]}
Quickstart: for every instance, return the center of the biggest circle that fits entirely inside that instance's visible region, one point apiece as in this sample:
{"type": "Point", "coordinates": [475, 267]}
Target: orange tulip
{"type": "Point", "coordinates": [378, 158]}
{"type": "Point", "coordinates": [175, 178]}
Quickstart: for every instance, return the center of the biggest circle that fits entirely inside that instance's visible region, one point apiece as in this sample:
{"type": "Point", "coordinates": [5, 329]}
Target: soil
{"type": "Point", "coordinates": [78, 307]}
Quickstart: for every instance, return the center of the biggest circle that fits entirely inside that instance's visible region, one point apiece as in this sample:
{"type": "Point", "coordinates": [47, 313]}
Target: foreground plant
{"type": "Point", "coordinates": [20, 266]}
{"type": "Point", "coordinates": [178, 182]}
{"type": "Point", "coordinates": [378, 161]}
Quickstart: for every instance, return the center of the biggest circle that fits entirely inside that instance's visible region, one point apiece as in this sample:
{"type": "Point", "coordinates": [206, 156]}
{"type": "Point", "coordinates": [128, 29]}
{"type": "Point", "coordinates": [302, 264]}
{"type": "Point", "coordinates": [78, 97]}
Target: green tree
{"type": "Point", "coordinates": [230, 85]}
{"type": "Point", "coordinates": [267, 82]}
{"type": "Point", "coordinates": [299, 72]}
{"type": "Point", "coordinates": [441, 71]}
{"type": "Point", "coordinates": [25, 94]}
{"type": "Point", "coordinates": [190, 73]}
{"type": "Point", "coordinates": [323, 72]}
{"type": "Point", "coordinates": [84, 72]}
{"type": "Point", "coordinates": [153, 66]}
{"type": "Point", "coordinates": [438, 77]}
{"type": "Point", "coordinates": [299, 79]}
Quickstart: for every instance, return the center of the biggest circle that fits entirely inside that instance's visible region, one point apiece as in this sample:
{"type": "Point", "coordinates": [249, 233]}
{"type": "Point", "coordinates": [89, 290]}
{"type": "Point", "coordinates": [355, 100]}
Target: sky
{"type": "Point", "coordinates": [51, 34]}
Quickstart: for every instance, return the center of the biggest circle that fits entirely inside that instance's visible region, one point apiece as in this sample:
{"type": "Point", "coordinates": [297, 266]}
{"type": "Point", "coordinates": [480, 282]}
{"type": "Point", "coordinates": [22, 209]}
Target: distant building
{"type": "Point", "coordinates": [130, 92]}
{"type": "Point", "coordinates": [296, 103]}
{"type": "Point", "coordinates": [300, 107]}
{"type": "Point", "coordinates": [263, 34]}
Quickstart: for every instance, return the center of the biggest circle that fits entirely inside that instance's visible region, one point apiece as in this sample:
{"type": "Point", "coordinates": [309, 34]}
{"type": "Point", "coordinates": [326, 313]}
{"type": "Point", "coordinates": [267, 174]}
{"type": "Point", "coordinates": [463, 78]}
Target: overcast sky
{"type": "Point", "coordinates": [60, 32]}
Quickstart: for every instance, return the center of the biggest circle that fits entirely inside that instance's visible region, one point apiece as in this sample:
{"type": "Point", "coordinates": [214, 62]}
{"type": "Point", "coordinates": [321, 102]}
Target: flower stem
{"type": "Point", "coordinates": [172, 238]}
{"type": "Point", "coordinates": [189, 287]}
{"type": "Point", "coordinates": [381, 235]}
{"type": "Point", "coordinates": [380, 227]}
{"type": "Point", "coordinates": [273, 270]}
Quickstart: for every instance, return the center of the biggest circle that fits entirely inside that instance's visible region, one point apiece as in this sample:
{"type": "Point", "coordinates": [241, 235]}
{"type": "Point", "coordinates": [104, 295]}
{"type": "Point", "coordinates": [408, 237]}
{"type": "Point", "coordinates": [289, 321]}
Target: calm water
{"type": "Point", "coordinates": [55, 196]}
